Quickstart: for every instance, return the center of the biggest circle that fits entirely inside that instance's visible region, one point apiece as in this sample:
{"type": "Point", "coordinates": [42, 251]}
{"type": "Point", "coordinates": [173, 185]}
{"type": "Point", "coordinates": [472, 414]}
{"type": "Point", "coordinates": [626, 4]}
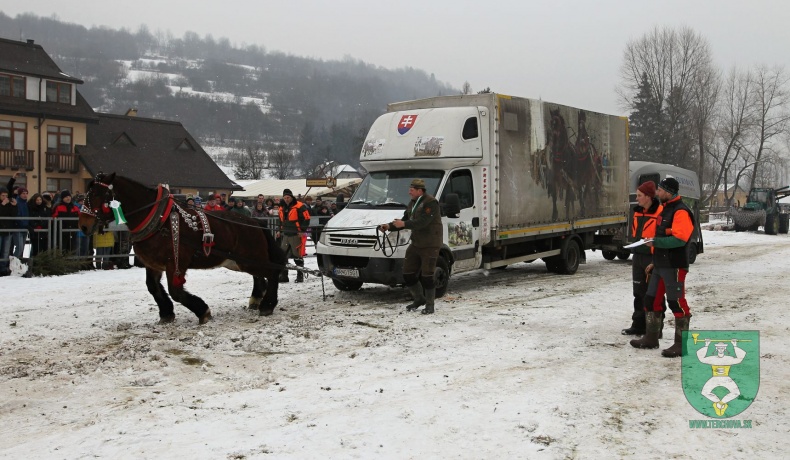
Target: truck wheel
{"type": "Point", "coordinates": [738, 228]}
{"type": "Point", "coordinates": [771, 224]}
{"type": "Point", "coordinates": [569, 258]}
{"type": "Point", "coordinates": [609, 255]}
{"type": "Point", "coordinates": [346, 285]}
{"type": "Point", "coordinates": [623, 255]}
{"type": "Point", "coordinates": [441, 276]}
{"type": "Point", "coordinates": [784, 223]}
{"type": "Point", "coordinates": [692, 253]}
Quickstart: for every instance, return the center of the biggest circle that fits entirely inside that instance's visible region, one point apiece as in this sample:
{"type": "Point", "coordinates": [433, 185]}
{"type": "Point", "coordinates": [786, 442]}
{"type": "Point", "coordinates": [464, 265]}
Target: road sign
{"type": "Point", "coordinates": [321, 182]}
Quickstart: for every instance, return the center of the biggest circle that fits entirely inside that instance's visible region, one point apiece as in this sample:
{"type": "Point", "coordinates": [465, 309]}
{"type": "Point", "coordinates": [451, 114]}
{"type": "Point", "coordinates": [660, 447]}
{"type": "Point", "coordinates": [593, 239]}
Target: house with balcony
{"type": "Point", "coordinates": [42, 118]}
{"type": "Point", "coordinates": [54, 139]}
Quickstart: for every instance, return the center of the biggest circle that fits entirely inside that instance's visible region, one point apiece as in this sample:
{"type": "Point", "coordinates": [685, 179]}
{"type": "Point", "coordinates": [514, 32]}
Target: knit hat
{"type": "Point", "coordinates": [288, 192]}
{"type": "Point", "coordinates": [417, 183]}
{"type": "Point", "coordinates": [21, 190]}
{"type": "Point", "coordinates": [670, 184]}
{"type": "Point", "coordinates": [64, 194]}
{"type": "Point", "coordinates": [648, 188]}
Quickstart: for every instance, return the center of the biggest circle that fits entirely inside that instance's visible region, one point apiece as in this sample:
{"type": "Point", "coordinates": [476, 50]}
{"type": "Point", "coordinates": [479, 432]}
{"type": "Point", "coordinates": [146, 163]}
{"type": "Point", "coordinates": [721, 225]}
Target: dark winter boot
{"type": "Point", "coordinates": [300, 274]}
{"type": "Point", "coordinates": [676, 350]}
{"type": "Point", "coordinates": [637, 324]}
{"type": "Point", "coordinates": [652, 326]}
{"type": "Point", "coordinates": [284, 276]}
{"type": "Point", "coordinates": [430, 295]}
{"type": "Point", "coordinates": [661, 331]}
{"type": "Point", "coordinates": [418, 298]}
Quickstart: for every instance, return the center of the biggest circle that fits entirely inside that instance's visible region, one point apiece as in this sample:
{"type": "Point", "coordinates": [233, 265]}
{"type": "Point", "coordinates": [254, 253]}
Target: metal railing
{"type": "Point", "coordinates": [57, 235]}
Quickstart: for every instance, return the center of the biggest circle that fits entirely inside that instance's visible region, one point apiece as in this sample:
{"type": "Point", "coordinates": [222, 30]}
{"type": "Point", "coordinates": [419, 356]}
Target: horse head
{"type": "Point", "coordinates": [557, 129]}
{"type": "Point", "coordinates": [95, 214]}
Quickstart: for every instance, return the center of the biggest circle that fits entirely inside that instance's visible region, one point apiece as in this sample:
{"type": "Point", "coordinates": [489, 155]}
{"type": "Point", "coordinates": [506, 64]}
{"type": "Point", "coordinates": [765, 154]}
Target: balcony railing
{"type": "Point", "coordinates": [62, 162]}
{"type": "Point", "coordinates": [16, 159]}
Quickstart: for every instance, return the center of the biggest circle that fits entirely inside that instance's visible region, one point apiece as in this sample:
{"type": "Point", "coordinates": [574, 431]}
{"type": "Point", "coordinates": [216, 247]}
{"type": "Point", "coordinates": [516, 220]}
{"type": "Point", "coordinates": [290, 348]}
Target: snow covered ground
{"type": "Point", "coordinates": [516, 363]}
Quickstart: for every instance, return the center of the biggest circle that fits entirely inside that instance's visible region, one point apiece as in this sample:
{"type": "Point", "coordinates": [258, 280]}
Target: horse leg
{"type": "Point", "coordinates": [194, 303]}
{"type": "Point", "coordinates": [258, 288]}
{"type": "Point", "coordinates": [272, 283]}
{"type": "Point", "coordinates": [152, 281]}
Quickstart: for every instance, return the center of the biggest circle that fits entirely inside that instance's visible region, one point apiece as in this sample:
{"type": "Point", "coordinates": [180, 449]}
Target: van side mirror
{"type": "Point", "coordinates": [452, 205]}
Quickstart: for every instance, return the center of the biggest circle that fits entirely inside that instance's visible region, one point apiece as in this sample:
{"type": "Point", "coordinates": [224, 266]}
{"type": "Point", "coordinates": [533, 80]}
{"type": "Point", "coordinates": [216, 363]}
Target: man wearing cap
{"type": "Point", "coordinates": [643, 225]}
{"type": "Point", "coordinates": [670, 265]}
{"type": "Point", "coordinates": [294, 219]}
{"type": "Point", "coordinates": [423, 218]}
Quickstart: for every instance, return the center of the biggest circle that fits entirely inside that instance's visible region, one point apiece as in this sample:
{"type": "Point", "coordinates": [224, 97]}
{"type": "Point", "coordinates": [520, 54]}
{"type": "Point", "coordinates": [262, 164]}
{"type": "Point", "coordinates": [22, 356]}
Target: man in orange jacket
{"type": "Point", "coordinates": [643, 225]}
{"type": "Point", "coordinates": [670, 264]}
{"type": "Point", "coordinates": [294, 219]}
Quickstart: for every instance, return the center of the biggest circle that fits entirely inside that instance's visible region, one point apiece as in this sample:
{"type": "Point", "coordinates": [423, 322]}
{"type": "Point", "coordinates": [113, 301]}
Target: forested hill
{"type": "Point", "coordinates": [226, 94]}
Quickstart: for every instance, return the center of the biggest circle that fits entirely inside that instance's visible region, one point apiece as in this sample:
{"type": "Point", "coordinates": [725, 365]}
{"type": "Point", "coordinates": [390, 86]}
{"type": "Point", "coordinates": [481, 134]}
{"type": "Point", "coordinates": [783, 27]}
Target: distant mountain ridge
{"type": "Point", "coordinates": [223, 94]}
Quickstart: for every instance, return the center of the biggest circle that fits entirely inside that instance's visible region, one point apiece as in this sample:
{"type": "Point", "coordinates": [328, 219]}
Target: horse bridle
{"type": "Point", "coordinates": [96, 213]}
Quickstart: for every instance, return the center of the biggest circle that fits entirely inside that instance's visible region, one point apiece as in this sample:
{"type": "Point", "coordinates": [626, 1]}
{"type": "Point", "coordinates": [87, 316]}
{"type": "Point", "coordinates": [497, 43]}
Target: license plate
{"type": "Point", "coordinates": [347, 272]}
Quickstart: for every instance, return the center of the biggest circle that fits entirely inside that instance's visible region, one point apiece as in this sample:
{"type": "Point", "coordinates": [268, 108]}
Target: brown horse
{"type": "Point", "coordinates": [562, 158]}
{"type": "Point", "coordinates": [171, 237]}
{"type": "Point", "coordinates": [588, 168]}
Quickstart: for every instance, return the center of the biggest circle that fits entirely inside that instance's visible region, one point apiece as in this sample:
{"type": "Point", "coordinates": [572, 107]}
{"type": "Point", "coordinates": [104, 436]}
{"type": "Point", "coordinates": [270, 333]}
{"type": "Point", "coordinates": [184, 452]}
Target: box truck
{"type": "Point", "coordinates": [518, 180]}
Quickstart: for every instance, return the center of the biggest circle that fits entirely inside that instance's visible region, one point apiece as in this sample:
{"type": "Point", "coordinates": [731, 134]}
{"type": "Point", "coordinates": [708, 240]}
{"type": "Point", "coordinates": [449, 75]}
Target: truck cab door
{"type": "Point", "coordinates": [463, 230]}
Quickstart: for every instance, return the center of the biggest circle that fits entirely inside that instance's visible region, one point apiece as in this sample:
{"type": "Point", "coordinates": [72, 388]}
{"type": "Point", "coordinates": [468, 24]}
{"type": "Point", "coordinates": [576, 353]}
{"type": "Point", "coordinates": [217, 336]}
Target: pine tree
{"type": "Point", "coordinates": [645, 143]}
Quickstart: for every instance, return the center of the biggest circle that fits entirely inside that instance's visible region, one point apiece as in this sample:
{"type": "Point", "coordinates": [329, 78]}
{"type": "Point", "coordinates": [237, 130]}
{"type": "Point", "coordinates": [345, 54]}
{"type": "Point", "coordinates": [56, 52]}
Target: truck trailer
{"type": "Point", "coordinates": [518, 180]}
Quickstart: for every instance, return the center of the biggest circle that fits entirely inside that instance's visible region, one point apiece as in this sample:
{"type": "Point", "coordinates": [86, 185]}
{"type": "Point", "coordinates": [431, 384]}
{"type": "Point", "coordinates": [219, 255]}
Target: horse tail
{"type": "Point", "coordinates": [276, 254]}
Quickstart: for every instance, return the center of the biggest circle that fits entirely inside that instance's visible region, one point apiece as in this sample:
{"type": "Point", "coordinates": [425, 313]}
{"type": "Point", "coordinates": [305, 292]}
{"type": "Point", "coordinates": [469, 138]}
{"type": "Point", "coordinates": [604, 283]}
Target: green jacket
{"type": "Point", "coordinates": [424, 219]}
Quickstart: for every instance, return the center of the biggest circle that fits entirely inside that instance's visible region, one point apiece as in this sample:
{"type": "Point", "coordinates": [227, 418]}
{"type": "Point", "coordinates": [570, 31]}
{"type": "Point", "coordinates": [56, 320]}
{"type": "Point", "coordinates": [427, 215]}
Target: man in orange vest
{"type": "Point", "coordinates": [294, 219]}
{"type": "Point", "coordinates": [643, 225]}
{"type": "Point", "coordinates": [675, 226]}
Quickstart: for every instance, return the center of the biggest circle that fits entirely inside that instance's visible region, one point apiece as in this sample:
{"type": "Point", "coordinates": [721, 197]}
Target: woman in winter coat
{"type": "Point", "coordinates": [39, 214]}
{"type": "Point", "coordinates": [260, 211]}
{"type": "Point", "coordinates": [66, 208]}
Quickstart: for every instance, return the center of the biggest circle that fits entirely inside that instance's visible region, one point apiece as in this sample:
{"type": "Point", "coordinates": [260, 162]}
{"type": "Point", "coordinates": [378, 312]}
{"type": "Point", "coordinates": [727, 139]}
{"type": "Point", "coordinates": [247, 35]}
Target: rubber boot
{"type": "Point", "coordinates": [284, 276]}
{"type": "Point", "coordinates": [299, 274]}
{"type": "Point", "coordinates": [676, 350]}
{"type": "Point", "coordinates": [637, 324]}
{"type": "Point", "coordinates": [652, 326]}
{"type": "Point", "coordinates": [418, 298]}
{"type": "Point", "coordinates": [430, 295]}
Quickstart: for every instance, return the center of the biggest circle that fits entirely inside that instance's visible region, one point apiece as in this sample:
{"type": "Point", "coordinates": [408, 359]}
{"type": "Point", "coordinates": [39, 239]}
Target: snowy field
{"type": "Point", "coordinates": [516, 363]}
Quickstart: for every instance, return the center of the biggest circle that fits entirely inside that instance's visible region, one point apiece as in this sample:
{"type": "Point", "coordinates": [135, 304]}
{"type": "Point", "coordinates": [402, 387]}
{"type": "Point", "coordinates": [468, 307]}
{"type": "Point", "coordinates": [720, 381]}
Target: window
{"type": "Point", "coordinates": [58, 92]}
{"type": "Point", "coordinates": [11, 85]}
{"type": "Point", "coordinates": [470, 129]}
{"type": "Point", "coordinates": [53, 183]}
{"type": "Point", "coordinates": [58, 139]}
{"type": "Point", "coordinates": [185, 145]}
{"type": "Point", "coordinates": [460, 183]}
{"type": "Point", "coordinates": [13, 135]}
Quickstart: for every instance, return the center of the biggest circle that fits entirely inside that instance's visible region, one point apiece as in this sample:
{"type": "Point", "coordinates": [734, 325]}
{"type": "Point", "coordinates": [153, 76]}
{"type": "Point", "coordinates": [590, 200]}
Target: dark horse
{"type": "Point", "coordinates": [562, 157]}
{"type": "Point", "coordinates": [588, 168]}
{"type": "Point", "coordinates": [170, 237]}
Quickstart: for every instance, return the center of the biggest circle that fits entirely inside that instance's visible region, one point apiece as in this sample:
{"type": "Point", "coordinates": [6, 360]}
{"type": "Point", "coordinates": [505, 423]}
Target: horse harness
{"type": "Point", "coordinates": [162, 209]}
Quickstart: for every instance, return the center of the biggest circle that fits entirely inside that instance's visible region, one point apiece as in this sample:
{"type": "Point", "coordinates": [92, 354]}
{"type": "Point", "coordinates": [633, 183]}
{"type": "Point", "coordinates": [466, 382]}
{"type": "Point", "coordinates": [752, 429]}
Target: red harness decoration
{"type": "Point", "coordinates": [165, 214]}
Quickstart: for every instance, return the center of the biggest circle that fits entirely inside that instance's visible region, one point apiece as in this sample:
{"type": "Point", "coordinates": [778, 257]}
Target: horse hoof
{"type": "Point", "coordinates": [205, 318]}
{"type": "Point", "coordinates": [167, 319]}
{"type": "Point", "coordinates": [265, 312]}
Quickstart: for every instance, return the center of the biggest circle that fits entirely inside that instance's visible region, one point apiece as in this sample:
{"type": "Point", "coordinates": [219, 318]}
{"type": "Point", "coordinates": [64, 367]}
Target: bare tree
{"type": "Point", "coordinates": [282, 162]}
{"type": "Point", "coordinates": [251, 161]}
{"type": "Point", "coordinates": [466, 88]}
{"type": "Point", "coordinates": [675, 63]}
{"type": "Point", "coordinates": [733, 123]}
{"type": "Point", "coordinates": [771, 99]}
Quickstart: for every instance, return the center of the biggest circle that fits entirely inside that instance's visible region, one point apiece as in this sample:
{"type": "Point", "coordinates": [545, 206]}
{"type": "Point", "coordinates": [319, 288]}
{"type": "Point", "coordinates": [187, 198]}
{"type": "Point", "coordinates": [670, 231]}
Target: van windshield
{"type": "Point", "coordinates": [391, 188]}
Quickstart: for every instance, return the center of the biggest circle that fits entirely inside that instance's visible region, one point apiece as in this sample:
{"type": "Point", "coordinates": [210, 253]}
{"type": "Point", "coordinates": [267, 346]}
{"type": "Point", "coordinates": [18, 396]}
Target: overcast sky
{"type": "Point", "coordinates": [562, 51]}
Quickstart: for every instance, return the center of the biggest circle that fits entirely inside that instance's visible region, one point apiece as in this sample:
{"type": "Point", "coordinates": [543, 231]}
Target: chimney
{"type": "Point", "coordinates": [132, 112]}
{"type": "Point", "coordinates": [31, 41]}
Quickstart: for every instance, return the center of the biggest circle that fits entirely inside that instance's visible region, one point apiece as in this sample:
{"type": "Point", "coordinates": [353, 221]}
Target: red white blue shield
{"type": "Point", "coordinates": [406, 122]}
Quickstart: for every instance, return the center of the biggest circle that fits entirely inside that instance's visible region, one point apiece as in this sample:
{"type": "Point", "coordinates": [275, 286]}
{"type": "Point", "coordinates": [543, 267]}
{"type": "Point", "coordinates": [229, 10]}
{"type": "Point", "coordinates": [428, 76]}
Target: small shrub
{"type": "Point", "coordinates": [54, 262]}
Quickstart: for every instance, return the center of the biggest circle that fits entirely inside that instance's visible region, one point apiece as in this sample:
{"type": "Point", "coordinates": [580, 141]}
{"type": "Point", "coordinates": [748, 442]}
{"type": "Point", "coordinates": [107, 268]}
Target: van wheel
{"type": "Point", "coordinates": [609, 255]}
{"type": "Point", "coordinates": [441, 277]}
{"type": "Point", "coordinates": [347, 285]}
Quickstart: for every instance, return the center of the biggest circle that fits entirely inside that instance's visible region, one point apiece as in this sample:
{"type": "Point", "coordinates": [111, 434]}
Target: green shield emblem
{"type": "Point", "coordinates": [721, 371]}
